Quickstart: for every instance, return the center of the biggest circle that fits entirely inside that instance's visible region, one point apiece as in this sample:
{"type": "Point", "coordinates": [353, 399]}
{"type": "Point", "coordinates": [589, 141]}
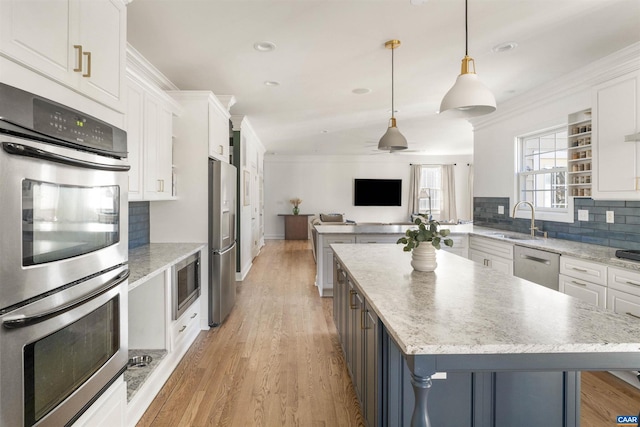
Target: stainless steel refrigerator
{"type": "Point", "coordinates": [222, 240]}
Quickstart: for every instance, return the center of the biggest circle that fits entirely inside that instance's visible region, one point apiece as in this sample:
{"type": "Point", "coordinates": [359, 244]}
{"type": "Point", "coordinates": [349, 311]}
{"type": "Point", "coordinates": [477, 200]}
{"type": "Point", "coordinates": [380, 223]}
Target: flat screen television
{"type": "Point", "coordinates": [377, 192]}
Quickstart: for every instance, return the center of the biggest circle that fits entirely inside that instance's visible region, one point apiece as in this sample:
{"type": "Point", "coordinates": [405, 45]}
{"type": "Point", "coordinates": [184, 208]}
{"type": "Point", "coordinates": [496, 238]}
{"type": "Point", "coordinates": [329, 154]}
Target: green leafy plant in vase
{"type": "Point", "coordinates": [423, 256]}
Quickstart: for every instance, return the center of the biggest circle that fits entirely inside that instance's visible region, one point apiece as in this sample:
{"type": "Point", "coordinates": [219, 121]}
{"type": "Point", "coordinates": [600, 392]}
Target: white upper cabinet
{"type": "Point", "coordinates": [218, 132]}
{"type": "Point", "coordinates": [80, 44]}
{"type": "Point", "coordinates": [205, 121]}
{"type": "Point", "coordinates": [135, 119]}
{"type": "Point", "coordinates": [616, 139]}
{"type": "Point", "coordinates": [149, 125]}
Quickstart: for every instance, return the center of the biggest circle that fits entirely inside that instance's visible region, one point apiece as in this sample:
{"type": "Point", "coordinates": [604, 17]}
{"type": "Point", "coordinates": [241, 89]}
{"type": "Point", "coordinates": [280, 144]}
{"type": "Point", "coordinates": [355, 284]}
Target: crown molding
{"type": "Point", "coordinates": [142, 67]}
{"type": "Point", "coordinates": [617, 64]}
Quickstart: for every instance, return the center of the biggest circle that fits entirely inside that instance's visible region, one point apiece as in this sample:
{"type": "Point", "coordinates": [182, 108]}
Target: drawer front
{"type": "Point", "coordinates": [583, 269]}
{"type": "Point", "coordinates": [378, 238]}
{"type": "Point", "coordinates": [584, 290]}
{"type": "Point", "coordinates": [501, 249]}
{"type": "Point", "coordinates": [186, 325]}
{"type": "Point", "coordinates": [623, 303]}
{"type": "Point", "coordinates": [328, 240]}
{"type": "Point", "coordinates": [624, 280]}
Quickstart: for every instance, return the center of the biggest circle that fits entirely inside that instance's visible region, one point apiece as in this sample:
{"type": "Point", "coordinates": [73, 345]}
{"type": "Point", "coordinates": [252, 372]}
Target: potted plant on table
{"type": "Point", "coordinates": [296, 202]}
{"type": "Point", "coordinates": [423, 241]}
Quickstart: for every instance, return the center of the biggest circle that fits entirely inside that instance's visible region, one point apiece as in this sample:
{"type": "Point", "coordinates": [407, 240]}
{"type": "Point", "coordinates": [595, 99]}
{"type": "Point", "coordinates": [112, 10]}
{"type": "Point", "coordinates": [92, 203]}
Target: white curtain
{"type": "Point", "coordinates": [414, 189]}
{"type": "Point", "coordinates": [448, 193]}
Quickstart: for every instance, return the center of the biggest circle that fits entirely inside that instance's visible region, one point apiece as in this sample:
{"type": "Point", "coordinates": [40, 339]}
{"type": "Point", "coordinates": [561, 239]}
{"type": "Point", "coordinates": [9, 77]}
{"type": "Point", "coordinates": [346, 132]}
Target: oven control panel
{"type": "Point", "coordinates": [69, 125]}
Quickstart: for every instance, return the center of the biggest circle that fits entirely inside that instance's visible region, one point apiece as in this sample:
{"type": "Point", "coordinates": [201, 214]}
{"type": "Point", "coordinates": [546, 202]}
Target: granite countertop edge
{"type": "Point", "coordinates": [149, 260]}
{"type": "Point", "coordinates": [412, 306]}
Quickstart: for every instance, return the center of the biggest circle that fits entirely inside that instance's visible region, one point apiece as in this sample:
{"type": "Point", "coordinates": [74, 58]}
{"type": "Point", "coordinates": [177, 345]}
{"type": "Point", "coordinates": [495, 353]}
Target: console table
{"type": "Point", "coordinates": [296, 227]}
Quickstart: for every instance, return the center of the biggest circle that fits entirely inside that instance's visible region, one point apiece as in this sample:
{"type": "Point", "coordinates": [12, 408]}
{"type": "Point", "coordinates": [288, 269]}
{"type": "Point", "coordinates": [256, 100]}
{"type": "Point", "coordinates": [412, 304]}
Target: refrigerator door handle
{"type": "Point", "coordinates": [224, 251]}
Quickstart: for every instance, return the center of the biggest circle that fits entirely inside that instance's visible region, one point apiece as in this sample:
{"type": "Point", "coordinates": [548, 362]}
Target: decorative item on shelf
{"type": "Point", "coordinates": [392, 140]}
{"type": "Point", "coordinates": [296, 202]}
{"type": "Point", "coordinates": [423, 256]}
{"type": "Point", "coordinates": [468, 96]}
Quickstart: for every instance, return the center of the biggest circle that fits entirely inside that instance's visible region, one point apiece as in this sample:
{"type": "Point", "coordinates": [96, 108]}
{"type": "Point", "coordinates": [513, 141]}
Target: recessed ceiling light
{"type": "Point", "coordinates": [264, 46]}
{"type": "Point", "coordinates": [504, 47]}
{"type": "Point", "coordinates": [271, 83]}
{"type": "Point", "coordinates": [361, 91]}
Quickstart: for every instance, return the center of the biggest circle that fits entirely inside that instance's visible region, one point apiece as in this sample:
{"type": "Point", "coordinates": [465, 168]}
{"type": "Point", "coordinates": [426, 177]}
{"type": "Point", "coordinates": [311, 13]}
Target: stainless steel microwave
{"type": "Point", "coordinates": [185, 284]}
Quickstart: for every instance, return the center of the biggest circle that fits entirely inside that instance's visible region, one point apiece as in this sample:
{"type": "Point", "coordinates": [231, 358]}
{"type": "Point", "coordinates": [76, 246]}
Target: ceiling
{"type": "Point", "coordinates": [327, 48]}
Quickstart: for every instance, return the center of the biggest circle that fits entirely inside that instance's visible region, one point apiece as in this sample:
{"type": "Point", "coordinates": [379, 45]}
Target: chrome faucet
{"type": "Point", "coordinates": [533, 217]}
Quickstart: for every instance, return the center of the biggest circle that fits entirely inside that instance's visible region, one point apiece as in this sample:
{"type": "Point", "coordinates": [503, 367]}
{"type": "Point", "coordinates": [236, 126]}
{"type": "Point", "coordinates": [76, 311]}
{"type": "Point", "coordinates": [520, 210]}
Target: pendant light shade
{"type": "Point", "coordinates": [392, 140]}
{"type": "Point", "coordinates": [469, 96]}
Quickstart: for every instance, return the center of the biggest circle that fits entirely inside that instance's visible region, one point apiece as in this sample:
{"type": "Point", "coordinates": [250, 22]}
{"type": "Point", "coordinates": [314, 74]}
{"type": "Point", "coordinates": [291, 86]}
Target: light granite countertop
{"type": "Point", "coordinates": [597, 253]}
{"type": "Point", "coordinates": [465, 308]}
{"type": "Point", "coordinates": [148, 260]}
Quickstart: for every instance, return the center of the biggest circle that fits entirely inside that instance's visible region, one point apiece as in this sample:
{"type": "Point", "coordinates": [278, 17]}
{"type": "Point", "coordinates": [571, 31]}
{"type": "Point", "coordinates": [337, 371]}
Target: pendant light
{"type": "Point", "coordinates": [392, 140]}
{"type": "Point", "coordinates": [468, 95]}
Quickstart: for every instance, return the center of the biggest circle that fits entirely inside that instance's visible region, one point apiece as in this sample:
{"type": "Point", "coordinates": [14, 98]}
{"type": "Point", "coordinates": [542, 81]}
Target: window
{"type": "Point", "coordinates": [431, 190]}
{"type": "Point", "coordinates": [542, 171]}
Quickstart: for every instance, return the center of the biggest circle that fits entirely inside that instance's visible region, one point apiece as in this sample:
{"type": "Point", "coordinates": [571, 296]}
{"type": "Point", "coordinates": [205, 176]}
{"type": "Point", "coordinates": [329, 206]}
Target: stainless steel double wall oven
{"type": "Point", "coordinates": [63, 259]}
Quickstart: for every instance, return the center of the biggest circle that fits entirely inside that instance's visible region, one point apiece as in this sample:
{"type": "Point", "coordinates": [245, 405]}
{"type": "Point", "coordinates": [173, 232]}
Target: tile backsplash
{"type": "Point", "coordinates": [623, 233]}
{"type": "Point", "coordinates": [138, 224]}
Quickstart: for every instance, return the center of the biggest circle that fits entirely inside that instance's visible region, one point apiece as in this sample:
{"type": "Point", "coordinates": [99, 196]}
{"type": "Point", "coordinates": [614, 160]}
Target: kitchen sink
{"type": "Point", "coordinates": [511, 237]}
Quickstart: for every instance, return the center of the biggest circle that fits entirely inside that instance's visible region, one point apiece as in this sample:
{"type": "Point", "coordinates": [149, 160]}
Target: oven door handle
{"type": "Point", "coordinates": [46, 315]}
{"type": "Point", "coordinates": [36, 153]}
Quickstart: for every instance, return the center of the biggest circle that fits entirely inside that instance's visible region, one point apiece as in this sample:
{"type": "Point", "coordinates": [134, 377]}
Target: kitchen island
{"type": "Point", "coordinates": [514, 349]}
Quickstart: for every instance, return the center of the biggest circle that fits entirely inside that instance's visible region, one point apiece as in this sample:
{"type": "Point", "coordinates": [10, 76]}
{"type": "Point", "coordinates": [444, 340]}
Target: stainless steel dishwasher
{"type": "Point", "coordinates": [537, 266]}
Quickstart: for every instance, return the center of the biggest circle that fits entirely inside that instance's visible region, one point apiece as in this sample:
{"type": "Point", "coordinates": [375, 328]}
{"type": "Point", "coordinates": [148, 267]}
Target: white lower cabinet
{"type": "Point", "coordinates": [151, 327]}
{"type": "Point", "coordinates": [583, 279]}
{"type": "Point", "coordinates": [491, 253]}
{"type": "Point", "coordinates": [586, 291]}
{"type": "Point", "coordinates": [460, 245]}
{"type": "Point", "coordinates": [624, 291]}
{"type": "Point", "coordinates": [109, 410]}
{"type": "Point", "coordinates": [186, 327]}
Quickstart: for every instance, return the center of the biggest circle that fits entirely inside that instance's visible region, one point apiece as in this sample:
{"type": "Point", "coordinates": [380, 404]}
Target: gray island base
{"type": "Point", "coordinates": [467, 345]}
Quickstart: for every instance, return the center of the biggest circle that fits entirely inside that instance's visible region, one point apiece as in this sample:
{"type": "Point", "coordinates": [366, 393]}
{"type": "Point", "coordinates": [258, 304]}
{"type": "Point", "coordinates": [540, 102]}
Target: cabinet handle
{"type": "Point", "coordinates": [221, 150]}
{"type": "Point", "coordinates": [351, 304]}
{"type": "Point", "coordinates": [78, 48]}
{"type": "Point", "coordinates": [194, 315]}
{"type": "Point", "coordinates": [88, 55]}
{"type": "Point", "coordinates": [183, 328]}
{"type": "Point", "coordinates": [632, 138]}
{"type": "Point", "coordinates": [629, 282]}
{"type": "Point", "coordinates": [582, 270]}
{"type": "Point", "coordinates": [161, 185]}
{"type": "Point", "coordinates": [362, 320]}
{"type": "Point", "coordinates": [633, 315]}
{"type": "Point", "coordinates": [578, 283]}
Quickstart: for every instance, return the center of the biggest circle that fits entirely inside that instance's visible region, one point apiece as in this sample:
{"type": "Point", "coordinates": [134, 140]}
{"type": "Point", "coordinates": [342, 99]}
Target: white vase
{"type": "Point", "coordinates": [423, 258]}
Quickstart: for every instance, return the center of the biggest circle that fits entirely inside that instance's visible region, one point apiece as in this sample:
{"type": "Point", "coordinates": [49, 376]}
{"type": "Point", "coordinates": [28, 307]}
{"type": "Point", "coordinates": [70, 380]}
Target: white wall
{"type": "Point", "coordinates": [494, 135]}
{"type": "Point", "coordinates": [325, 184]}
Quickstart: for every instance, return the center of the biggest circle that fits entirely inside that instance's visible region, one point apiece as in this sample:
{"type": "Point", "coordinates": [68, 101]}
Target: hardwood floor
{"type": "Point", "coordinates": [276, 361]}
